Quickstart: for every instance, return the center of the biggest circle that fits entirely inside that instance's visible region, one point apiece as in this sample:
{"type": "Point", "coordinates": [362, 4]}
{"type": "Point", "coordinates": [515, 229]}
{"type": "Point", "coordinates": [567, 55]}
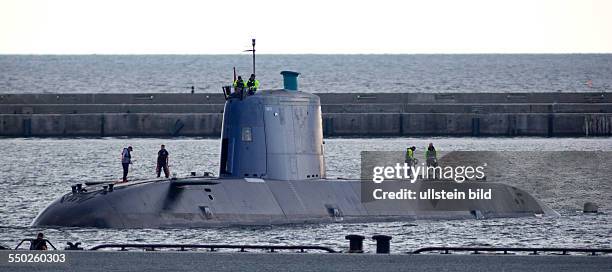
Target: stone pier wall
{"type": "Point", "coordinates": [351, 114]}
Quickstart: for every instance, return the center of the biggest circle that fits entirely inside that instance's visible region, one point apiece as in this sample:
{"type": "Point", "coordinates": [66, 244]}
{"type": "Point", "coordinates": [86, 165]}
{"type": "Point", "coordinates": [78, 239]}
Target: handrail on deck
{"type": "Point", "coordinates": [505, 250]}
{"type": "Point", "coordinates": [182, 247]}
{"type": "Point", "coordinates": [30, 240]}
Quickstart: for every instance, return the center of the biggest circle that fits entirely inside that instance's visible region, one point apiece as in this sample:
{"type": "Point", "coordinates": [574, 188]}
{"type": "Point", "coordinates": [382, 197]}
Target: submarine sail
{"type": "Point", "coordinates": [276, 134]}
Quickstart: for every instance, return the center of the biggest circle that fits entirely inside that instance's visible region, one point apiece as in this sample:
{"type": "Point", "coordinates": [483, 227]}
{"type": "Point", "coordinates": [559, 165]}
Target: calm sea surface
{"type": "Point", "coordinates": [319, 73]}
{"type": "Point", "coordinates": [36, 171]}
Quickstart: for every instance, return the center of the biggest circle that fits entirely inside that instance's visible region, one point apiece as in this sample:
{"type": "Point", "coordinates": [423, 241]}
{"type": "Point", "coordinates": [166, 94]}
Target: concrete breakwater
{"type": "Point", "coordinates": [346, 114]}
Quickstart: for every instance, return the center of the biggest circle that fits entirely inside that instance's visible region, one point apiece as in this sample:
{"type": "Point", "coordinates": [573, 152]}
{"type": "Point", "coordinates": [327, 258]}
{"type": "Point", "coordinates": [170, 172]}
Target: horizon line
{"type": "Point", "coordinates": [248, 53]}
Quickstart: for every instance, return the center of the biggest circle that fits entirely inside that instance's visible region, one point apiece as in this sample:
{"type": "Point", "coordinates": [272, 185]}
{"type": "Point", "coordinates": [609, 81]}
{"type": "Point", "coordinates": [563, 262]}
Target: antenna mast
{"type": "Point", "coordinates": [253, 43]}
{"type": "Point", "coordinates": [252, 50]}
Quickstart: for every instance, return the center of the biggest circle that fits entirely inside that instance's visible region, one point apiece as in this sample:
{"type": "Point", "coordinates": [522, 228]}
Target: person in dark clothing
{"type": "Point", "coordinates": [39, 243]}
{"type": "Point", "coordinates": [431, 156]}
{"type": "Point", "coordinates": [162, 161]}
{"type": "Point", "coordinates": [126, 160]}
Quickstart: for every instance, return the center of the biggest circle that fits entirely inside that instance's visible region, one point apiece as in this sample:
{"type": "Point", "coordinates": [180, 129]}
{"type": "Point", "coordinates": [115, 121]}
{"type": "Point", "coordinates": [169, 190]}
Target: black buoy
{"type": "Point", "coordinates": [383, 244]}
{"type": "Point", "coordinates": [355, 243]}
{"type": "Point", "coordinates": [74, 246]}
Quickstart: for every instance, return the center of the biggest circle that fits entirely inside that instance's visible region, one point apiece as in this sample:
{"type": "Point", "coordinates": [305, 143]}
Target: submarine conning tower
{"type": "Point", "coordinates": [273, 134]}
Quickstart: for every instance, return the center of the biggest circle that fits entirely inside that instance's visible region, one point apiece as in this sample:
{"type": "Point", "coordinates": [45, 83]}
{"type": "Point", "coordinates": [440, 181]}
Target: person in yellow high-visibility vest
{"type": "Point", "coordinates": [410, 155]}
{"type": "Point", "coordinates": [410, 160]}
{"type": "Point", "coordinates": [252, 85]}
{"type": "Point", "coordinates": [239, 86]}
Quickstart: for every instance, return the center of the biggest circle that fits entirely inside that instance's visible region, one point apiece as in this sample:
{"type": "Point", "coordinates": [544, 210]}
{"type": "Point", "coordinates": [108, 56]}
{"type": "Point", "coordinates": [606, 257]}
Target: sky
{"type": "Point", "coordinates": [310, 27]}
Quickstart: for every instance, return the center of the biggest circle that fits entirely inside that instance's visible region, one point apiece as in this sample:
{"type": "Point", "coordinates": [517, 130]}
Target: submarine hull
{"type": "Point", "coordinates": [272, 171]}
{"type": "Point", "coordinates": [223, 202]}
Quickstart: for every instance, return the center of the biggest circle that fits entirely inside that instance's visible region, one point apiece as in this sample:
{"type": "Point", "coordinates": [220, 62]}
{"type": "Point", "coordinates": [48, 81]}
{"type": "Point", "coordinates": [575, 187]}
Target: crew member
{"type": "Point", "coordinates": [252, 85]}
{"type": "Point", "coordinates": [239, 86]}
{"type": "Point", "coordinates": [410, 160]}
{"type": "Point", "coordinates": [162, 161]}
{"type": "Point", "coordinates": [409, 155]}
{"type": "Point", "coordinates": [39, 243]}
{"type": "Point", "coordinates": [431, 156]}
{"type": "Point", "coordinates": [126, 160]}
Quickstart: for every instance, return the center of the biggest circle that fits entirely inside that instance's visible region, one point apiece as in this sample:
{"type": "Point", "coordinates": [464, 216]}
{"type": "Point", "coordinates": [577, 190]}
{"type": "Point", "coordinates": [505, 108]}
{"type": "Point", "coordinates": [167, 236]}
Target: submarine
{"type": "Point", "coordinates": [272, 171]}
